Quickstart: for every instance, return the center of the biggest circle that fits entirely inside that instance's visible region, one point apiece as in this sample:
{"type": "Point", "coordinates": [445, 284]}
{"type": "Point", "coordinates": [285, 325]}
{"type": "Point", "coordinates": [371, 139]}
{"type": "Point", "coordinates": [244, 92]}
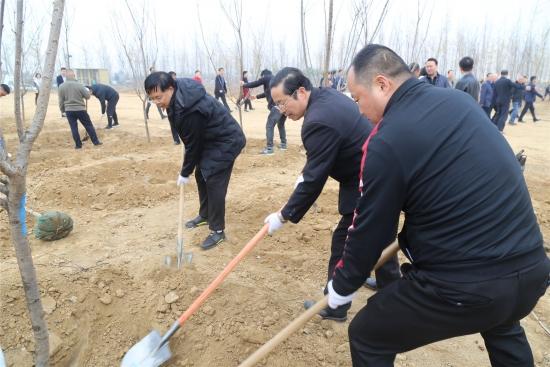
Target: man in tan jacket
{"type": "Point", "coordinates": [71, 102]}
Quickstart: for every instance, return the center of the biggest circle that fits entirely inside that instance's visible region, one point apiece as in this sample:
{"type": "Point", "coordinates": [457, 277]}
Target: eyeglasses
{"type": "Point", "coordinates": [282, 105]}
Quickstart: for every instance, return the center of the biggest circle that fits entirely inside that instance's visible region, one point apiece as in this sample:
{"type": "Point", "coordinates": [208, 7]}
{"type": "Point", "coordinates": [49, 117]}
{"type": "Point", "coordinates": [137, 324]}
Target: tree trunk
{"type": "Point", "coordinates": [16, 189]}
{"type": "Point", "coordinates": [328, 44]}
{"type": "Point", "coordinates": [2, 3]}
{"type": "Point", "coordinates": [16, 215]}
{"type": "Point", "coordinates": [17, 71]}
{"type": "Point", "coordinates": [144, 105]}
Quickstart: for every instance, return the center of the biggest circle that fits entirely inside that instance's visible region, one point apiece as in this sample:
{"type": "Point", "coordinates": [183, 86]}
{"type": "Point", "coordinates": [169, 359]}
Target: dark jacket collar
{"type": "Point", "coordinates": [403, 88]}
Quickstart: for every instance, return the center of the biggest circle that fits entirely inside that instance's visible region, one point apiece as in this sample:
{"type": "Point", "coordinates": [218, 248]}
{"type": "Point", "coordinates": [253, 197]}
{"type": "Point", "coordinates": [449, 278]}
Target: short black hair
{"type": "Point", "coordinates": [413, 66]}
{"type": "Point", "coordinates": [433, 59]}
{"type": "Point", "coordinates": [532, 78]}
{"type": "Point", "coordinates": [172, 73]}
{"type": "Point", "coordinates": [266, 72]}
{"type": "Point", "coordinates": [378, 59]}
{"type": "Point", "coordinates": [423, 71]}
{"type": "Point", "coordinates": [504, 72]}
{"type": "Point", "coordinates": [488, 75]}
{"type": "Point", "coordinates": [292, 79]}
{"type": "Point", "coordinates": [197, 71]}
{"type": "Point", "coordinates": [6, 88]}
{"type": "Point", "coordinates": [466, 63]}
{"type": "Point", "coordinates": [220, 69]}
{"type": "Point", "coordinates": [158, 80]}
{"type": "Point", "coordinates": [63, 68]}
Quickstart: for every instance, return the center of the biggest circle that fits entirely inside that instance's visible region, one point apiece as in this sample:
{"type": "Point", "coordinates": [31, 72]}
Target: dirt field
{"type": "Point", "coordinates": [104, 286]}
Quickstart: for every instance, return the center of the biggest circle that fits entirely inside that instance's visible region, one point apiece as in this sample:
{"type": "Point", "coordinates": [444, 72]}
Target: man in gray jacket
{"type": "Point", "coordinates": [71, 102]}
{"type": "Point", "coordinates": [468, 83]}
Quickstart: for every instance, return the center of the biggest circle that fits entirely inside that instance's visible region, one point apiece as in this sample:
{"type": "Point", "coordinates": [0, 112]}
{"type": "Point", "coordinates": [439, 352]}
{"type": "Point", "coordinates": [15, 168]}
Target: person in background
{"type": "Point", "coordinates": [197, 77]}
{"type": "Point", "coordinates": [517, 98]}
{"type": "Point", "coordinates": [486, 94]}
{"type": "Point", "coordinates": [220, 88]}
{"type": "Point", "coordinates": [530, 96]}
{"type": "Point", "coordinates": [4, 90]}
{"type": "Point", "coordinates": [433, 77]}
{"type": "Point", "coordinates": [108, 99]}
{"type": "Point", "coordinates": [414, 68]}
{"type": "Point", "coordinates": [275, 116]}
{"type": "Point", "coordinates": [451, 77]}
{"type": "Point", "coordinates": [246, 94]}
{"type": "Point", "coordinates": [37, 81]}
{"type": "Point", "coordinates": [71, 102]}
{"type": "Point", "coordinates": [468, 83]}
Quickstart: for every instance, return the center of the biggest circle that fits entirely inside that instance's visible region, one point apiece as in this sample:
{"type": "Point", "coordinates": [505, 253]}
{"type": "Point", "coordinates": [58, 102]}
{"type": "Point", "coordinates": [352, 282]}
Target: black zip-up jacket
{"type": "Point", "coordinates": [213, 139]}
{"type": "Point", "coordinates": [333, 133]}
{"type": "Point", "coordinates": [103, 93]}
{"type": "Point", "coordinates": [263, 81]}
{"type": "Point", "coordinates": [469, 84]}
{"type": "Point", "coordinates": [517, 94]}
{"type": "Point", "coordinates": [504, 88]}
{"type": "Point", "coordinates": [468, 214]}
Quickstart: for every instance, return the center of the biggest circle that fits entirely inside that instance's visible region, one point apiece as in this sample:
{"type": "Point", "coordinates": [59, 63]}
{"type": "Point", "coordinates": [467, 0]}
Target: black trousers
{"type": "Point", "coordinates": [502, 113]}
{"type": "Point", "coordinates": [224, 101]}
{"type": "Point", "coordinates": [73, 117]}
{"type": "Point", "coordinates": [528, 106]}
{"type": "Point", "coordinates": [212, 197]}
{"type": "Point", "coordinates": [111, 111]}
{"type": "Point", "coordinates": [487, 111]}
{"type": "Point", "coordinates": [418, 309]}
{"type": "Point", "coordinates": [148, 106]}
{"type": "Point", "coordinates": [384, 275]}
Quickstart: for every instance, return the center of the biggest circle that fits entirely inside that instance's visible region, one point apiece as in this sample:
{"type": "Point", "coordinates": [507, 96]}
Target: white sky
{"type": "Point", "coordinates": [91, 23]}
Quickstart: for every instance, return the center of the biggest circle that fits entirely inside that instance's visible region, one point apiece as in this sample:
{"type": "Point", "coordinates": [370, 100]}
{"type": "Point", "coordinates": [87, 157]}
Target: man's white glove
{"type": "Point", "coordinates": [182, 180]}
{"type": "Point", "coordinates": [299, 180]}
{"type": "Point", "coordinates": [275, 221]}
{"type": "Point", "coordinates": [335, 300]}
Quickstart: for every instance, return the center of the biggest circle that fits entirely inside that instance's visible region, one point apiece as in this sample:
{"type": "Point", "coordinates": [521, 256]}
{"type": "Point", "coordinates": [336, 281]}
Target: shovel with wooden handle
{"type": "Point", "coordinates": [295, 325]}
{"type": "Point", "coordinates": [153, 350]}
{"type": "Point", "coordinates": [181, 256]}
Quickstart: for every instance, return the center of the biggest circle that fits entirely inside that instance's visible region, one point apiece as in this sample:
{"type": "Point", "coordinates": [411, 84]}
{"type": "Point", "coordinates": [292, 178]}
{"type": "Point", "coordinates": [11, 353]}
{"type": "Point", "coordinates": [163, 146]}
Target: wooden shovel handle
{"type": "Point", "coordinates": [220, 278]}
{"type": "Point", "coordinates": [180, 215]}
{"type": "Point", "coordinates": [306, 316]}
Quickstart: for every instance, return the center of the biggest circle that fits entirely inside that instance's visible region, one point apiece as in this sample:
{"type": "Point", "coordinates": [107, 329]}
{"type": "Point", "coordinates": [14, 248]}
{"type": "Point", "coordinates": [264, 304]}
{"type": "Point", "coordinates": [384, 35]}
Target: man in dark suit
{"type": "Point", "coordinates": [503, 90]}
{"type": "Point", "coordinates": [61, 77]}
{"type": "Point", "coordinates": [221, 88]}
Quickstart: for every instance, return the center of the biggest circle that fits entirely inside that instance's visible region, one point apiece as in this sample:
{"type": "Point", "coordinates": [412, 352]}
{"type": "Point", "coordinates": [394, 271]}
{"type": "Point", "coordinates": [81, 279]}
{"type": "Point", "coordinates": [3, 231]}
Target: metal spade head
{"type": "Point", "coordinates": [146, 352]}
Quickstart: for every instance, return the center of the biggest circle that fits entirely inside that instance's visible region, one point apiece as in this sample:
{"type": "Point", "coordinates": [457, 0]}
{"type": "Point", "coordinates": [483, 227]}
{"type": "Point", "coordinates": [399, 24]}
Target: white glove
{"type": "Point", "coordinates": [335, 300]}
{"type": "Point", "coordinates": [182, 180]}
{"type": "Point", "coordinates": [299, 180]}
{"type": "Point", "coordinates": [275, 221]}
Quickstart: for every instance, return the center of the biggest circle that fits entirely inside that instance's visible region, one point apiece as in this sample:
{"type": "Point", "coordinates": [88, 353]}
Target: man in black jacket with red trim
{"type": "Point", "coordinates": [212, 138]}
{"type": "Point", "coordinates": [477, 259]}
{"type": "Point", "coordinates": [333, 133]}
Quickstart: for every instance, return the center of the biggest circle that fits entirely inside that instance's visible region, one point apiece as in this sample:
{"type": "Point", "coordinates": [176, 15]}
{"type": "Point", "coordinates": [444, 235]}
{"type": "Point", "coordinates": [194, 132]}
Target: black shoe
{"type": "Point", "coordinates": [196, 222]}
{"type": "Point", "coordinates": [78, 147]}
{"type": "Point", "coordinates": [98, 143]}
{"type": "Point", "coordinates": [108, 127]}
{"type": "Point", "coordinates": [339, 314]}
{"type": "Point", "coordinates": [282, 146]}
{"type": "Point", "coordinates": [535, 120]}
{"type": "Point", "coordinates": [176, 143]}
{"type": "Point", "coordinates": [116, 125]}
{"type": "Point", "coordinates": [520, 120]}
{"type": "Point", "coordinates": [213, 240]}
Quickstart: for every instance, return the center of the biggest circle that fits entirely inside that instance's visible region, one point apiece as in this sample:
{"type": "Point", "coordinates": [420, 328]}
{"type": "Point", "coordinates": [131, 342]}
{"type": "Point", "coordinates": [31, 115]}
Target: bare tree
{"type": "Point", "coordinates": [17, 71]}
{"type": "Point", "coordinates": [67, 26]}
{"type": "Point", "coordinates": [13, 188]}
{"type": "Point", "coordinates": [2, 4]}
{"type": "Point", "coordinates": [235, 17]}
{"type": "Point", "coordinates": [141, 50]}
{"type": "Point", "coordinates": [305, 46]}
{"type": "Point", "coordinates": [328, 42]}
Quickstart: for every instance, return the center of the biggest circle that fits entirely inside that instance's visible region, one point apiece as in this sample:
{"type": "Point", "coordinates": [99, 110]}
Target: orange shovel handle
{"type": "Point", "coordinates": [220, 278]}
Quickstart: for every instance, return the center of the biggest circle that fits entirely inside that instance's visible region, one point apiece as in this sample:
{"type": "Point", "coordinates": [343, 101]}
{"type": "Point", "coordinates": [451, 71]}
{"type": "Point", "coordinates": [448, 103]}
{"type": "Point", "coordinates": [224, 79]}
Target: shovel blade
{"type": "Point", "coordinates": [143, 353]}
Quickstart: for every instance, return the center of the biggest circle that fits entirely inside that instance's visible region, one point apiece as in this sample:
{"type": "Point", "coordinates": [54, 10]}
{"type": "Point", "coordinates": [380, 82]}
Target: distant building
{"type": "Point", "coordinates": [92, 76]}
